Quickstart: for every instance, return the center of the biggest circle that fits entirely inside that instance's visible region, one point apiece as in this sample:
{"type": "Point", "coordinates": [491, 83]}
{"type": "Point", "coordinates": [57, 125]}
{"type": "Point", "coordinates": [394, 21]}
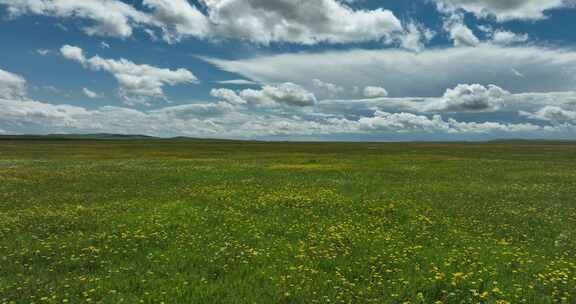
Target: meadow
{"type": "Point", "coordinates": [183, 221]}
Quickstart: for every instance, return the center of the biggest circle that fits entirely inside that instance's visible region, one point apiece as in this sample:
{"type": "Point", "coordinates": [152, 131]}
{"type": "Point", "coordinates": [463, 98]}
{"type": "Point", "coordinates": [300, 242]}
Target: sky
{"type": "Point", "coordinates": [345, 70]}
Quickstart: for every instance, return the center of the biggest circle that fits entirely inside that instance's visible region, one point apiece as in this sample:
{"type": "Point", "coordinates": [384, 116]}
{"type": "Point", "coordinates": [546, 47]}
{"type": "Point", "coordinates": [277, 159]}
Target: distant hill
{"type": "Point", "coordinates": [107, 136]}
{"type": "Point", "coordinates": [119, 137]}
{"type": "Point", "coordinates": [102, 136]}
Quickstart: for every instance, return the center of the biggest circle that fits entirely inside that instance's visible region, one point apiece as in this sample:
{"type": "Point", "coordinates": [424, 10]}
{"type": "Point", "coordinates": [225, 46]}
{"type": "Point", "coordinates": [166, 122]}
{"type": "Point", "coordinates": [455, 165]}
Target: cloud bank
{"type": "Point", "coordinates": [223, 120]}
{"type": "Point", "coordinates": [434, 70]}
{"type": "Point", "coordinates": [287, 110]}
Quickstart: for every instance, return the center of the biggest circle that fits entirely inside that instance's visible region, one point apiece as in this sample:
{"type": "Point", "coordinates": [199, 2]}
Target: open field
{"type": "Point", "coordinates": [179, 221]}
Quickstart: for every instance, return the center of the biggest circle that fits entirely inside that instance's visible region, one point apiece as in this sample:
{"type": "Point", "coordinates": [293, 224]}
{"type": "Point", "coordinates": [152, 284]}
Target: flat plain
{"type": "Point", "coordinates": [184, 221]}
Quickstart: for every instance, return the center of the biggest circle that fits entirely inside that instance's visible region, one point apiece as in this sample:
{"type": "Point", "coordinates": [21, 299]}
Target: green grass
{"type": "Point", "coordinates": [181, 221]}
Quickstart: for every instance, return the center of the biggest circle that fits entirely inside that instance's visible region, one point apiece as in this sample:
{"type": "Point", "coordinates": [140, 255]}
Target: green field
{"type": "Point", "coordinates": [183, 221]}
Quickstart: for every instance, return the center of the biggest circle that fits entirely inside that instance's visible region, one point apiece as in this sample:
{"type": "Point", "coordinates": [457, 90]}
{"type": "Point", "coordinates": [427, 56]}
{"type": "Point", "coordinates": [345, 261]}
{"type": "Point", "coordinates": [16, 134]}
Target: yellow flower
{"type": "Point", "coordinates": [420, 296]}
{"type": "Point", "coordinates": [458, 275]}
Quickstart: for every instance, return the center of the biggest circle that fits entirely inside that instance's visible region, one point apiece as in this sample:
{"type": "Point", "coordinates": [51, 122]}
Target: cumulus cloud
{"type": "Point", "coordinates": [503, 10]}
{"type": "Point", "coordinates": [403, 122]}
{"type": "Point", "coordinates": [434, 70]}
{"type": "Point", "coordinates": [178, 19]}
{"type": "Point", "coordinates": [286, 93]}
{"type": "Point", "coordinates": [139, 83]}
{"type": "Point", "coordinates": [465, 97]}
{"type": "Point", "coordinates": [375, 92]}
{"type": "Point", "coordinates": [12, 86]}
{"type": "Point", "coordinates": [227, 95]}
{"type": "Point", "coordinates": [109, 17]}
{"type": "Point", "coordinates": [90, 94]}
{"type": "Point", "coordinates": [73, 53]}
{"type": "Point", "coordinates": [270, 95]}
{"type": "Point", "coordinates": [304, 22]}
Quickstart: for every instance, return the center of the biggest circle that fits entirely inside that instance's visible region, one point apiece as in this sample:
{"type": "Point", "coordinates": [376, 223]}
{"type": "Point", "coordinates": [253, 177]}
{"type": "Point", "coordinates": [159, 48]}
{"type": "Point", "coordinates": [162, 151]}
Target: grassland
{"type": "Point", "coordinates": [179, 221]}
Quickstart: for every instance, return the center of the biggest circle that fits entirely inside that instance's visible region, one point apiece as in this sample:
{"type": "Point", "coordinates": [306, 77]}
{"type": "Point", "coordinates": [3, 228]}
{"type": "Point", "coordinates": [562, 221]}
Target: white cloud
{"type": "Point", "coordinates": [285, 93]}
{"type": "Point", "coordinates": [465, 97]}
{"type": "Point", "coordinates": [503, 10]}
{"type": "Point", "coordinates": [42, 118]}
{"type": "Point", "coordinates": [303, 22]}
{"type": "Point", "coordinates": [507, 37]}
{"type": "Point", "coordinates": [109, 17]}
{"type": "Point", "coordinates": [227, 95]}
{"type": "Point", "coordinates": [178, 19]}
{"type": "Point", "coordinates": [270, 95]}
{"type": "Point", "coordinates": [415, 37]}
{"type": "Point", "coordinates": [18, 113]}
{"type": "Point", "coordinates": [403, 122]}
{"type": "Point", "coordinates": [531, 101]}
{"type": "Point", "coordinates": [12, 86]}
{"type": "Point", "coordinates": [306, 22]}
{"type": "Point", "coordinates": [104, 45]}
{"type": "Point", "coordinates": [463, 35]}
{"type": "Point", "coordinates": [433, 70]}
{"type": "Point", "coordinates": [73, 53]}
{"type": "Point", "coordinates": [554, 114]}
{"type": "Point", "coordinates": [375, 92]}
{"type": "Point", "coordinates": [490, 101]}
{"type": "Point", "coordinates": [90, 94]}
{"type": "Point", "coordinates": [407, 122]}
{"type": "Point", "coordinates": [139, 83]}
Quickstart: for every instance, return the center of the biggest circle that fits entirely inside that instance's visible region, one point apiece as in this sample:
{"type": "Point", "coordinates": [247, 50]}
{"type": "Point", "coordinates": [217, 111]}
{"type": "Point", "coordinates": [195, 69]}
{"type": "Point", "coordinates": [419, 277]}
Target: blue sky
{"type": "Point", "coordinates": [290, 70]}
